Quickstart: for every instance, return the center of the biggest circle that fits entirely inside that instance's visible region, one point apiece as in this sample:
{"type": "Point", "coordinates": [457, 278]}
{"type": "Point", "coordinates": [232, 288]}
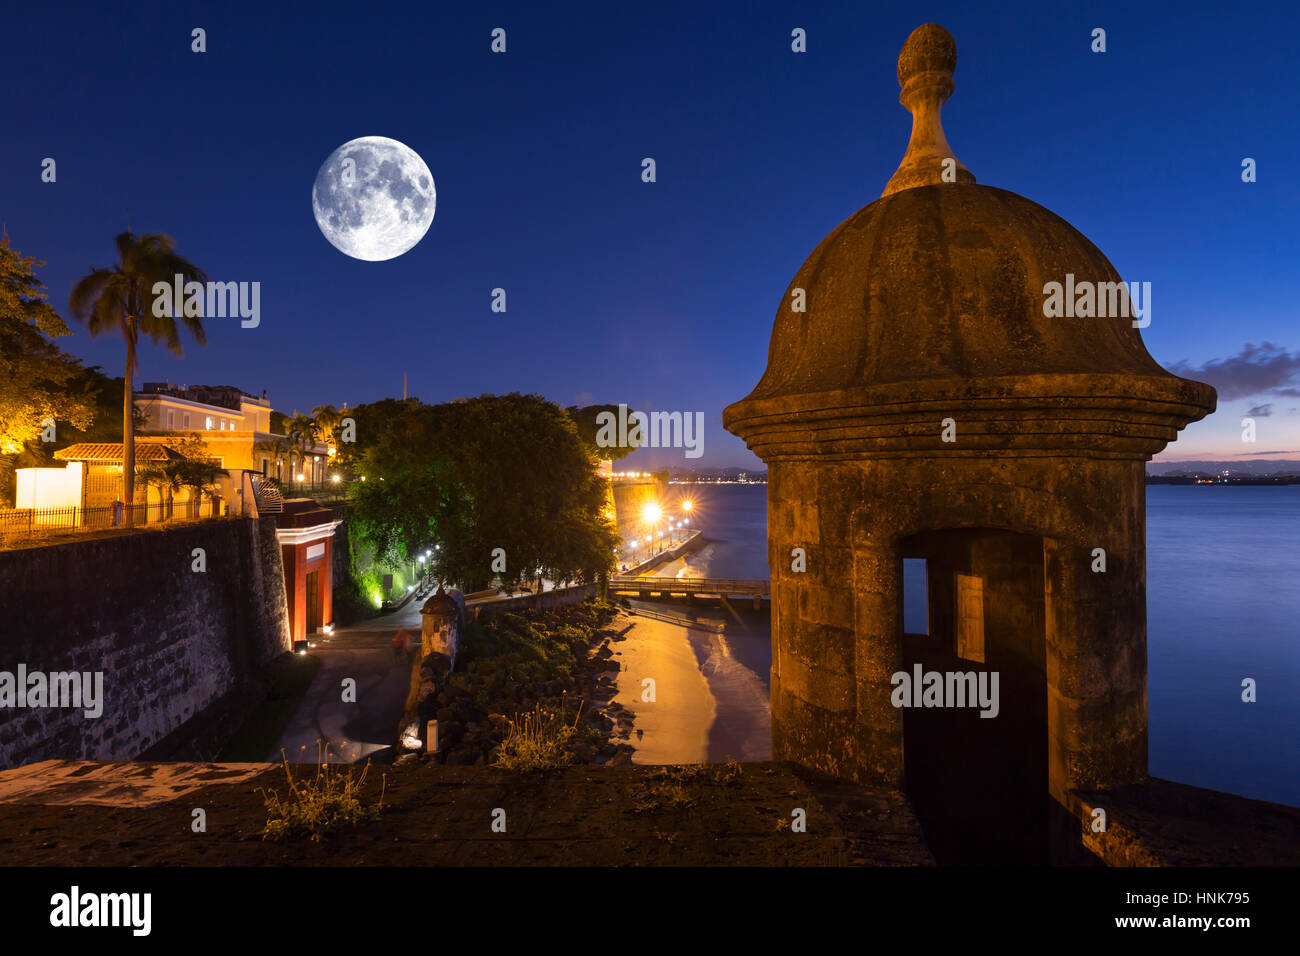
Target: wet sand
{"type": "Point", "coordinates": [674, 728]}
{"type": "Point", "coordinates": [711, 705]}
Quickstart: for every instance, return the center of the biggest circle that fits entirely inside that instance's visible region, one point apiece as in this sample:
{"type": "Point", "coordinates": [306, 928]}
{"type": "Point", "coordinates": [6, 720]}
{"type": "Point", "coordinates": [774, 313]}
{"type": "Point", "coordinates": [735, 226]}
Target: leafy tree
{"type": "Point", "coordinates": [506, 472]}
{"type": "Point", "coordinates": [372, 421]}
{"type": "Point", "coordinates": [120, 301]}
{"type": "Point", "coordinates": [588, 428]}
{"type": "Point", "coordinates": [38, 381]}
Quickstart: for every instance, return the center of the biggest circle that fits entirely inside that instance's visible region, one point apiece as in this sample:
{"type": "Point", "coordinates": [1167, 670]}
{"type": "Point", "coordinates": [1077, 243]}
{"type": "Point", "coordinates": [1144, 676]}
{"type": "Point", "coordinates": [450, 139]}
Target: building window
{"type": "Point", "coordinates": [185, 420]}
{"type": "Point", "coordinates": [970, 617]}
{"type": "Point", "coordinates": [209, 423]}
{"type": "Point", "coordinates": [171, 420]}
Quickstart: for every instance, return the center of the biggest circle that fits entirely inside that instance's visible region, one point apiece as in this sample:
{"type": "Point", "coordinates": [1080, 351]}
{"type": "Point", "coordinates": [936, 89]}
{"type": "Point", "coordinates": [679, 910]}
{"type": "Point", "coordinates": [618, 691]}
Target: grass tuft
{"type": "Point", "coordinates": [327, 801]}
{"type": "Point", "coordinates": [538, 741]}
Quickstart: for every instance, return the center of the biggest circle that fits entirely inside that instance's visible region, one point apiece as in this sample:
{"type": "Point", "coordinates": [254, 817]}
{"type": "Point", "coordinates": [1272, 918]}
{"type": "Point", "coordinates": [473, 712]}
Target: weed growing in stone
{"type": "Point", "coordinates": [539, 741]}
{"type": "Point", "coordinates": [327, 801]}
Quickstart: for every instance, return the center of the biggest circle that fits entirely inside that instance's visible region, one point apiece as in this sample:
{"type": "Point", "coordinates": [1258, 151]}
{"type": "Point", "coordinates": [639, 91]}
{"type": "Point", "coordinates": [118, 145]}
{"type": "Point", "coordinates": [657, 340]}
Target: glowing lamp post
{"type": "Point", "coordinates": [651, 514]}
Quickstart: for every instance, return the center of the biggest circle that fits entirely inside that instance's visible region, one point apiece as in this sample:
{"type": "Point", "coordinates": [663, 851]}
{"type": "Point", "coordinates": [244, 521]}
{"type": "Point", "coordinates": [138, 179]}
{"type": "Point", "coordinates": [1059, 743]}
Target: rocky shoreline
{"type": "Point", "coordinates": [560, 660]}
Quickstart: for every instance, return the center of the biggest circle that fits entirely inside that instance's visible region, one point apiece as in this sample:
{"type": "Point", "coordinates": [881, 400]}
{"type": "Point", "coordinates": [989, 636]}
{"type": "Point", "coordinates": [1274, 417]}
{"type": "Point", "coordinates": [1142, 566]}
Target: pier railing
{"type": "Point", "coordinates": [715, 627]}
{"type": "Point", "coordinates": [688, 586]}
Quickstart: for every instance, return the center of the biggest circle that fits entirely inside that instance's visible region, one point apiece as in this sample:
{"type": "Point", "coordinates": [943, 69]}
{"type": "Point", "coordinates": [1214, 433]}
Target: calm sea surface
{"type": "Point", "coordinates": [1223, 604]}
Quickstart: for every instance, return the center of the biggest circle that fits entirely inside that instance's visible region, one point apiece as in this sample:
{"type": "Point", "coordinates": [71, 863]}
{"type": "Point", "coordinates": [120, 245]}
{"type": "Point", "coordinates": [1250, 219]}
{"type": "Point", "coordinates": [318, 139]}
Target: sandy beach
{"type": "Point", "coordinates": [708, 706]}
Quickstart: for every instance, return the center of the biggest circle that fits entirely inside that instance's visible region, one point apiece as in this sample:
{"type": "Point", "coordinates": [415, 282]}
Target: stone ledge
{"type": "Point", "coordinates": [1162, 823]}
{"type": "Point", "coordinates": [114, 814]}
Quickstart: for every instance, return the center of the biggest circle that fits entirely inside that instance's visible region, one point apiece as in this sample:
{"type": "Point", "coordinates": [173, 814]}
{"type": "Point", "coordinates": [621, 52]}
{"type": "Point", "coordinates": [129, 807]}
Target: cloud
{"type": "Point", "coordinates": [1261, 411]}
{"type": "Point", "coordinates": [1256, 370]}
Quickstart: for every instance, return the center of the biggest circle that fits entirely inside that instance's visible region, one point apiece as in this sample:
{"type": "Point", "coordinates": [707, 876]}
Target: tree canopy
{"type": "Point", "coordinates": [37, 379]}
{"type": "Point", "coordinates": [504, 472]}
{"type": "Point", "coordinates": [585, 418]}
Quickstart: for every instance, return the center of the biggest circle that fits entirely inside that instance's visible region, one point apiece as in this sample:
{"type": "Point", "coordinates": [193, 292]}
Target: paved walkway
{"type": "Point", "coordinates": [367, 728]}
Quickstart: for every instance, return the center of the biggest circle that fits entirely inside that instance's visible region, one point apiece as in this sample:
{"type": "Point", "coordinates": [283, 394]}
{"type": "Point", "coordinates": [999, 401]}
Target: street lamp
{"type": "Point", "coordinates": [651, 514]}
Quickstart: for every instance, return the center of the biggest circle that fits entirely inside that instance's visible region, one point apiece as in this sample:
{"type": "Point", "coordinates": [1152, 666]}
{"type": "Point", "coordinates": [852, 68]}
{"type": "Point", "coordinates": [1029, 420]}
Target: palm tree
{"type": "Point", "coordinates": [167, 480]}
{"type": "Point", "coordinates": [302, 435]}
{"type": "Point", "coordinates": [278, 446]}
{"type": "Point", "coordinates": [198, 475]}
{"type": "Point", "coordinates": [328, 418]}
{"type": "Point", "coordinates": [120, 300]}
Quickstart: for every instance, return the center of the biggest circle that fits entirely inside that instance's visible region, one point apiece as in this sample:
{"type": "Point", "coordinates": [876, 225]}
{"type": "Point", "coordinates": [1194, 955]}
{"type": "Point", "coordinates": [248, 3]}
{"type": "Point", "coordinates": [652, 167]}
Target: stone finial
{"type": "Point", "coordinates": [925, 67]}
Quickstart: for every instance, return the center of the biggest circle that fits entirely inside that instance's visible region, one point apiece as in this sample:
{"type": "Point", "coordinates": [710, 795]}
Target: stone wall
{"type": "Point", "coordinates": [561, 597]}
{"type": "Point", "coordinates": [173, 644]}
{"type": "Point", "coordinates": [630, 498]}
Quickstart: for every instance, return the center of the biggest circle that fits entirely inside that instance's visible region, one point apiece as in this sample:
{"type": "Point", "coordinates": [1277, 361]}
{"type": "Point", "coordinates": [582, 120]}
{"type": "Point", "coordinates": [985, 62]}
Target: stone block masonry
{"type": "Point", "coordinates": [174, 644]}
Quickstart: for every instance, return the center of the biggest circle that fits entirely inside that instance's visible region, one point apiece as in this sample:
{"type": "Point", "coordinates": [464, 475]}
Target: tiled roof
{"type": "Point", "coordinates": [94, 451]}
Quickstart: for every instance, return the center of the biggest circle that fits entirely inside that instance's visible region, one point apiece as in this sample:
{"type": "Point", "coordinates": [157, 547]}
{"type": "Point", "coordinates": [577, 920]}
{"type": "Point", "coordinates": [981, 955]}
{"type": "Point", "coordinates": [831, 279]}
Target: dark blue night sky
{"type": "Point", "coordinates": [659, 295]}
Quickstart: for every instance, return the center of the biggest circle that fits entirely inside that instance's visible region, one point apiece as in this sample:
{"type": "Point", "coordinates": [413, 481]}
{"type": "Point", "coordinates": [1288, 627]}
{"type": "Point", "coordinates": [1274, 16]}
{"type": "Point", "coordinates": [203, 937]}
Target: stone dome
{"type": "Point", "coordinates": [944, 282]}
{"type": "Point", "coordinates": [931, 299]}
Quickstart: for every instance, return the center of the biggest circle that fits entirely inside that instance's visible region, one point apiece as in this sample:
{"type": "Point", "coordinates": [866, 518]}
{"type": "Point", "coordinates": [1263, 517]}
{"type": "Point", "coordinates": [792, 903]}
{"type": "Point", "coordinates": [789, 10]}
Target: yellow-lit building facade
{"type": "Point", "coordinates": [235, 428]}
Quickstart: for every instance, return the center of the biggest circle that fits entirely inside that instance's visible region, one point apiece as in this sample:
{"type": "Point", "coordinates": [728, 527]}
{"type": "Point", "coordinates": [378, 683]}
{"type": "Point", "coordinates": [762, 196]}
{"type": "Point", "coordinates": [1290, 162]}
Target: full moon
{"type": "Point", "coordinates": [373, 198]}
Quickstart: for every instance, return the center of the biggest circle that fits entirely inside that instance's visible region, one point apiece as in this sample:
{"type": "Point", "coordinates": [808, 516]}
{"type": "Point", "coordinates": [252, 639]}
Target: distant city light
{"type": "Point", "coordinates": [334, 478]}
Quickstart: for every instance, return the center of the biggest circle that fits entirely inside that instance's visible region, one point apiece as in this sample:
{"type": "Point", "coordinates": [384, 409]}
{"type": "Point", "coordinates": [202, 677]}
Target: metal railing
{"type": "Point", "coordinates": [715, 627]}
{"type": "Point", "coordinates": [22, 524]}
{"type": "Point", "coordinates": [723, 586]}
{"type": "Point", "coordinates": [267, 494]}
